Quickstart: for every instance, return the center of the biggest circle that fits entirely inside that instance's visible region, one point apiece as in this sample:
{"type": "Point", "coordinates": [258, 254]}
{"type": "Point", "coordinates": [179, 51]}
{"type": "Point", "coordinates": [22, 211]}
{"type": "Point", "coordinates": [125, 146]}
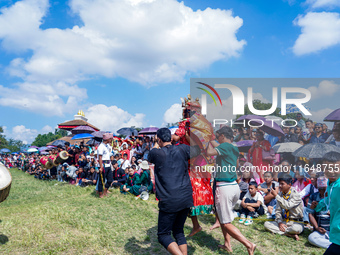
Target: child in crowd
{"type": "Point", "coordinates": [289, 210]}
{"type": "Point", "coordinates": [252, 205]}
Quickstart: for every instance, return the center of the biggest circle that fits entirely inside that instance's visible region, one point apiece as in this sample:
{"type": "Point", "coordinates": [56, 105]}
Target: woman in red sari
{"type": "Point", "coordinates": [255, 153]}
{"type": "Point", "coordinates": [201, 130]}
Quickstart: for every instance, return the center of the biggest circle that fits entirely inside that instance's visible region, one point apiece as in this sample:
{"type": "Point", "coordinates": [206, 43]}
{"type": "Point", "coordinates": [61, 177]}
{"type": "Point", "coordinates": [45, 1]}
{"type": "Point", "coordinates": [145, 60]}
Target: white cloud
{"type": "Point", "coordinates": [112, 118]}
{"type": "Point", "coordinates": [147, 41]}
{"type": "Point", "coordinates": [319, 31]}
{"type": "Point", "coordinates": [323, 3]}
{"type": "Point", "coordinates": [325, 88]}
{"type": "Point", "coordinates": [47, 99]}
{"type": "Point", "coordinates": [319, 115]}
{"type": "Point", "coordinates": [26, 135]}
{"type": "Point", "coordinates": [173, 114]}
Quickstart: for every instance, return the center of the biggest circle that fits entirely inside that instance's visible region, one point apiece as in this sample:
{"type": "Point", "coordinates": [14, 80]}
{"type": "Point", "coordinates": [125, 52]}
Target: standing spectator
{"type": "Point", "coordinates": [300, 122]}
{"type": "Point", "coordinates": [256, 151]}
{"type": "Point", "coordinates": [318, 136]}
{"type": "Point", "coordinates": [105, 173]}
{"type": "Point", "coordinates": [288, 137]}
{"type": "Point", "coordinates": [70, 161]}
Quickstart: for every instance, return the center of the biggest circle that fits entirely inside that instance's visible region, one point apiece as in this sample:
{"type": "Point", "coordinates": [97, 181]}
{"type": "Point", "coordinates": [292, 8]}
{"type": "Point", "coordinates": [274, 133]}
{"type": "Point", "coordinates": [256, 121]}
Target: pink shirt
{"type": "Point", "coordinates": [298, 186]}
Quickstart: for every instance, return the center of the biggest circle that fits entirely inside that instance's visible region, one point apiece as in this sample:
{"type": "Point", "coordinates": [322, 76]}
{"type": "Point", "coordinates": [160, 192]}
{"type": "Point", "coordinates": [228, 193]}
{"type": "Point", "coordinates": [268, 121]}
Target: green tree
{"type": "Point", "coordinates": [258, 105]}
{"type": "Point", "coordinates": [3, 141]}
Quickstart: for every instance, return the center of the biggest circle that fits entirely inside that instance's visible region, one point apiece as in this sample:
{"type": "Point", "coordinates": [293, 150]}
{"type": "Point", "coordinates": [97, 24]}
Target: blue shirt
{"type": "Point", "coordinates": [321, 139]}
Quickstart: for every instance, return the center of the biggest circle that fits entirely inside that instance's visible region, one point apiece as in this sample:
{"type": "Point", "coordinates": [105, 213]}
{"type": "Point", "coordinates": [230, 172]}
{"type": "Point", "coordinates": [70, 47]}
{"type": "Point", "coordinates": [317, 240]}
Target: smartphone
{"type": "Point", "coordinates": [273, 185]}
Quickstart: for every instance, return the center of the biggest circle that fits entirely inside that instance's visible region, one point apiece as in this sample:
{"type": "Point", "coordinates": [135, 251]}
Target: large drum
{"type": "Point", "coordinates": [62, 157]}
{"type": "Point", "coordinates": [45, 161]}
{"type": "Point", "coordinates": [5, 182]}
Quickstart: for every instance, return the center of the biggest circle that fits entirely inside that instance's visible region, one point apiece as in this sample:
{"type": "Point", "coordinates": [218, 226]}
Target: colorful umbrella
{"type": "Point", "coordinates": [315, 150]}
{"type": "Point", "coordinates": [82, 130]}
{"type": "Point", "coordinates": [99, 134]}
{"type": "Point", "coordinates": [82, 136]}
{"type": "Point", "coordinates": [127, 131]}
{"type": "Point", "coordinates": [244, 146]}
{"type": "Point", "coordinates": [149, 130]}
{"type": "Point", "coordinates": [32, 150]}
{"type": "Point", "coordinates": [286, 147]}
{"type": "Point", "coordinates": [333, 116]}
{"type": "Point", "coordinates": [59, 142]}
{"type": "Point", "coordinates": [5, 150]}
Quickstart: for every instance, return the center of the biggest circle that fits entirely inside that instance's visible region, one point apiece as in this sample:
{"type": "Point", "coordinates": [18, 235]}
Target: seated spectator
{"type": "Point", "coordinates": [310, 189]}
{"type": "Point", "coordinates": [319, 220]}
{"type": "Point", "coordinates": [82, 161]}
{"type": "Point", "coordinates": [299, 184]}
{"type": "Point", "coordinates": [146, 177]}
{"type": "Point", "coordinates": [265, 188]}
{"type": "Point", "coordinates": [133, 183]}
{"type": "Point", "coordinates": [80, 176]}
{"type": "Point", "coordinates": [126, 162]}
{"type": "Point", "coordinates": [119, 176]}
{"type": "Point", "coordinates": [71, 174]}
{"type": "Point", "coordinates": [91, 178]}
{"type": "Point", "coordinates": [252, 205]}
{"type": "Point", "coordinates": [242, 184]}
{"type": "Point", "coordinates": [289, 210]}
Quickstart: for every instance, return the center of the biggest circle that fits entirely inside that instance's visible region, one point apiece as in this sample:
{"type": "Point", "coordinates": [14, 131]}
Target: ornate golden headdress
{"type": "Point", "coordinates": [189, 104]}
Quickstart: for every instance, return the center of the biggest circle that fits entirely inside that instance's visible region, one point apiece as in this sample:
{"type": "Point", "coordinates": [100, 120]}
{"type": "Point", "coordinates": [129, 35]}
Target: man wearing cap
{"type": "Point", "coordinates": [105, 173]}
{"type": "Point", "coordinates": [173, 189]}
{"type": "Point", "coordinates": [319, 136]}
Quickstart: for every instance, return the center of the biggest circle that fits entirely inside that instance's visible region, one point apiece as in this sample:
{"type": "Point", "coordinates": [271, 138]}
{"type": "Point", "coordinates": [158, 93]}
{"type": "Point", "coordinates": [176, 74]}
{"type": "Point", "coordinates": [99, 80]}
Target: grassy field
{"type": "Point", "coordinates": [41, 217]}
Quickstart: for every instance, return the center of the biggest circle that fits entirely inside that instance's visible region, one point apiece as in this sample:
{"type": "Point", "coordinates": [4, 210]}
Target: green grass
{"type": "Point", "coordinates": [41, 217]}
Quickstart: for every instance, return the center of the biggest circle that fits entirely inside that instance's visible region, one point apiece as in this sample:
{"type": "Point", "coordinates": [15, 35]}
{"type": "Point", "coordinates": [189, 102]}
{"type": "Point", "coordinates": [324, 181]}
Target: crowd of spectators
{"type": "Point", "coordinates": [259, 188]}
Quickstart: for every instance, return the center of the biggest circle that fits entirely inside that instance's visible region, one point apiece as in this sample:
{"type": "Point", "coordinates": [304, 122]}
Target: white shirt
{"type": "Point", "coordinates": [305, 192]}
{"type": "Point", "coordinates": [257, 197]}
{"type": "Point", "coordinates": [104, 150]}
{"type": "Point", "coordinates": [126, 164]}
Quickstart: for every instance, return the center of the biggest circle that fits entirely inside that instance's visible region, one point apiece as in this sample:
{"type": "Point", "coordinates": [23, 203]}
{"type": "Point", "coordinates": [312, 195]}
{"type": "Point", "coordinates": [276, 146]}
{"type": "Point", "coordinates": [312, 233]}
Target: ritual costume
{"type": "Point", "coordinates": [200, 129]}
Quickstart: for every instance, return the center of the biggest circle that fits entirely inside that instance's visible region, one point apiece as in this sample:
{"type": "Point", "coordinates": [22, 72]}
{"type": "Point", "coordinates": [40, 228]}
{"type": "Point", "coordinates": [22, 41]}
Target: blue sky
{"type": "Point", "coordinates": [129, 62]}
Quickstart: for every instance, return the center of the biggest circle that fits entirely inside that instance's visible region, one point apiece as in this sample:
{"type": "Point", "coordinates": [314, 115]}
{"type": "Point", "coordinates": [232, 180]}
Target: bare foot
{"type": "Point", "coordinates": [195, 231]}
{"type": "Point", "coordinates": [108, 192]}
{"type": "Point", "coordinates": [216, 225]}
{"type": "Point", "coordinates": [251, 249]}
{"type": "Point", "coordinates": [296, 237]}
{"type": "Point", "coordinates": [224, 247]}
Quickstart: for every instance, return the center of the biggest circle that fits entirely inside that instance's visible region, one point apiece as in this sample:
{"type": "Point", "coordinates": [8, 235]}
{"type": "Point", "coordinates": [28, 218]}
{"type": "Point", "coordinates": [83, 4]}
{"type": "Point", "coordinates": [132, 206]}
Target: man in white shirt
{"type": "Point", "coordinates": [105, 173]}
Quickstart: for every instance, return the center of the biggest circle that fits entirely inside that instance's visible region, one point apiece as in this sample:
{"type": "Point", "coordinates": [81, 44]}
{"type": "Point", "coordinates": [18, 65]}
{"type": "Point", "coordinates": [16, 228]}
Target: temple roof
{"type": "Point", "coordinates": [69, 125]}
